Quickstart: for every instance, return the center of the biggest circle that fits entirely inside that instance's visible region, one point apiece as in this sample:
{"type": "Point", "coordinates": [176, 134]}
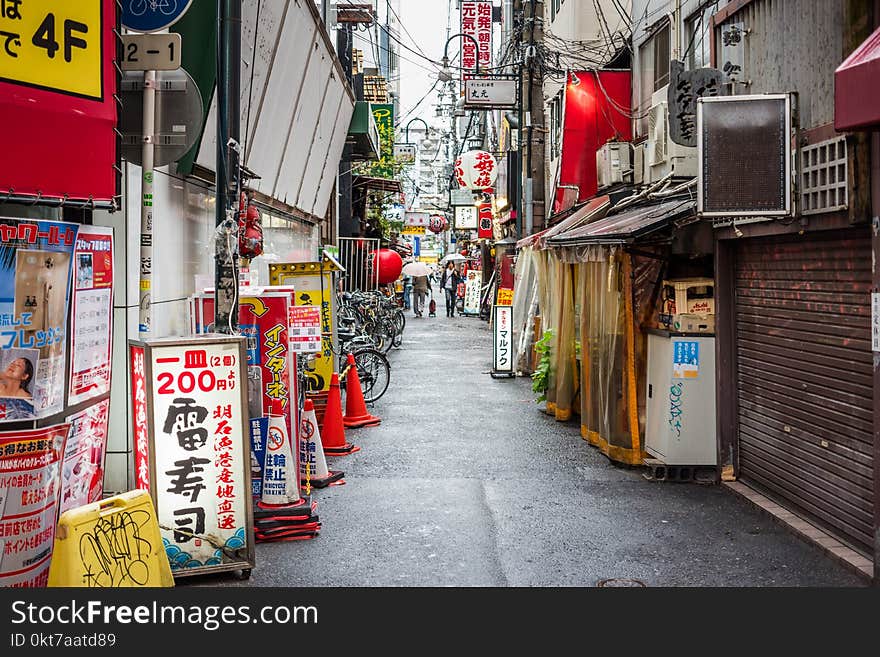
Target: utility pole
{"type": "Point", "coordinates": [532, 127]}
{"type": "Point", "coordinates": [227, 176]}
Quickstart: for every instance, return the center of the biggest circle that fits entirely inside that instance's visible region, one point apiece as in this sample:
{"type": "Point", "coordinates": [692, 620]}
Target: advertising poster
{"type": "Point", "coordinates": [685, 359]}
{"type": "Point", "coordinates": [82, 470]}
{"type": "Point", "coordinates": [202, 487]}
{"type": "Point", "coordinates": [92, 316]}
{"type": "Point", "coordinates": [472, 291]}
{"type": "Point", "coordinates": [29, 492]}
{"type": "Point", "coordinates": [35, 262]}
{"type": "Point", "coordinates": [305, 329]}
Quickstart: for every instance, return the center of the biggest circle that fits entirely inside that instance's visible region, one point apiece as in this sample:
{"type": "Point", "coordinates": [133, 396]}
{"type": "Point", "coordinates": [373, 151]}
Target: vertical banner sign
{"type": "Point", "coordinates": [139, 418]}
{"type": "Point", "coordinates": [305, 329]}
{"type": "Point", "coordinates": [82, 472]}
{"type": "Point", "coordinates": [57, 88]}
{"type": "Point", "coordinates": [35, 264]}
{"type": "Point", "coordinates": [505, 296]}
{"type": "Point", "coordinates": [259, 428]}
{"type": "Point", "coordinates": [472, 292]}
{"type": "Point", "coordinates": [199, 449]}
{"type": "Point", "coordinates": [484, 228]}
{"type": "Point", "coordinates": [91, 319]}
{"type": "Point", "coordinates": [29, 491]}
{"type": "Point", "coordinates": [503, 352]}
{"type": "Point", "coordinates": [383, 113]}
{"type": "Point", "coordinates": [476, 22]}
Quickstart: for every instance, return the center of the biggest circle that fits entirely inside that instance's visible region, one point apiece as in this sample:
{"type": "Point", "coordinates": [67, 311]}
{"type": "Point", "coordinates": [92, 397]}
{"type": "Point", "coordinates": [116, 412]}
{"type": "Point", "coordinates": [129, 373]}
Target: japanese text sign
{"type": "Point", "coordinates": [476, 22]}
{"type": "Point", "coordinates": [505, 296]}
{"type": "Point", "coordinates": [685, 359]}
{"type": "Point", "coordinates": [57, 86]}
{"type": "Point", "coordinates": [30, 488]}
{"type": "Point", "coordinates": [305, 329]}
{"type": "Point", "coordinates": [199, 450]}
{"type": "Point", "coordinates": [503, 352]}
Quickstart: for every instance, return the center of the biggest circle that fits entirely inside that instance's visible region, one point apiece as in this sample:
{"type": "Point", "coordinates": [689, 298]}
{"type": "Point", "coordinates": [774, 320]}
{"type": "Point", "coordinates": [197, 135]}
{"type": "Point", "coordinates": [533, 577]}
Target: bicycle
{"type": "Point", "coordinates": [138, 7]}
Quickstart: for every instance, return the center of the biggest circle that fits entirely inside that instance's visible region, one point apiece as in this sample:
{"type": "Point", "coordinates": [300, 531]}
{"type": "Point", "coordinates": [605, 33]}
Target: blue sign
{"type": "Point", "coordinates": [259, 428]}
{"type": "Point", "coordinates": [152, 15]}
{"type": "Point", "coordinates": [685, 359]}
{"type": "Point", "coordinates": [417, 246]}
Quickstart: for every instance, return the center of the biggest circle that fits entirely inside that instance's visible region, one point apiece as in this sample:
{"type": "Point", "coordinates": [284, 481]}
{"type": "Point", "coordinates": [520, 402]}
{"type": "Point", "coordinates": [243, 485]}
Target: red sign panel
{"type": "Point", "coordinates": [484, 229]}
{"type": "Point", "coordinates": [139, 414]}
{"type": "Point", "coordinates": [57, 86]}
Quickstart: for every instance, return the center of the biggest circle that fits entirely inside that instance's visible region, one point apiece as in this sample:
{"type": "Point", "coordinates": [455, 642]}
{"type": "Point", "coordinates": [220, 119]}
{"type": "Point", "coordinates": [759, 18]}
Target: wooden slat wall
{"type": "Point", "coordinates": [804, 379]}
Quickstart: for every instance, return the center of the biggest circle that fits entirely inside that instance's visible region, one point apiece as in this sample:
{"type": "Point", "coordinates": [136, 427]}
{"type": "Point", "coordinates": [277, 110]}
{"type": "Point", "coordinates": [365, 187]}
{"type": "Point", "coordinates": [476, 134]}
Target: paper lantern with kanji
{"type": "Point", "coordinates": [386, 263]}
{"type": "Point", "coordinates": [476, 170]}
{"type": "Point", "coordinates": [437, 223]}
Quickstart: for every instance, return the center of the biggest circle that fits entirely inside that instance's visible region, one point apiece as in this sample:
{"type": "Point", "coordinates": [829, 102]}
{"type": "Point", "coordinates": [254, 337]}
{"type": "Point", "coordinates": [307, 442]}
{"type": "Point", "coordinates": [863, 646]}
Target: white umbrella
{"type": "Point", "coordinates": [453, 257]}
{"type": "Point", "coordinates": [416, 269]}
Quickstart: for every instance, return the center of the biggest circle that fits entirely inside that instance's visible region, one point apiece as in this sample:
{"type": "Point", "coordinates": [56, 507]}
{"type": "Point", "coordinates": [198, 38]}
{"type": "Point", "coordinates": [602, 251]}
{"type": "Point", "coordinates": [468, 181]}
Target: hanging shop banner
{"type": "Point", "coordinates": [305, 329]}
{"type": "Point", "coordinates": [198, 449]}
{"type": "Point", "coordinates": [383, 113]}
{"type": "Point", "coordinates": [466, 217]}
{"type": "Point", "coordinates": [413, 230]}
{"type": "Point", "coordinates": [57, 87]}
{"type": "Point", "coordinates": [82, 471]}
{"type": "Point", "coordinates": [503, 344]}
{"type": "Point", "coordinates": [35, 263]}
{"type": "Point", "coordinates": [92, 316]}
{"type": "Point", "coordinates": [484, 228]}
{"type": "Point", "coordinates": [505, 296]}
{"type": "Point", "coordinates": [473, 282]}
{"type": "Point", "coordinates": [29, 492]}
{"type": "Point", "coordinates": [314, 284]}
{"type": "Point", "coordinates": [476, 22]}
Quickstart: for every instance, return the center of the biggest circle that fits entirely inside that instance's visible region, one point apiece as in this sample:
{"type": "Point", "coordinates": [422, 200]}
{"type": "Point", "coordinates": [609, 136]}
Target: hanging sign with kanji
{"type": "Point", "coordinates": [476, 22]}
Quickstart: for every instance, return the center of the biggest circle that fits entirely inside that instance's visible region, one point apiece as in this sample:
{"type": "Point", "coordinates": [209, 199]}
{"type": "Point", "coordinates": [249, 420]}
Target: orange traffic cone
{"type": "Point", "coordinates": [333, 431]}
{"type": "Point", "coordinates": [312, 464]}
{"type": "Point", "coordinates": [356, 414]}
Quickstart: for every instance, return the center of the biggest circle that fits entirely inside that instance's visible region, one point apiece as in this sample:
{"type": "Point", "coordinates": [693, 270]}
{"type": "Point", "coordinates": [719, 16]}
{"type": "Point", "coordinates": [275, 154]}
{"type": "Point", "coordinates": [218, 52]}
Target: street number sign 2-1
{"type": "Point", "coordinates": [151, 52]}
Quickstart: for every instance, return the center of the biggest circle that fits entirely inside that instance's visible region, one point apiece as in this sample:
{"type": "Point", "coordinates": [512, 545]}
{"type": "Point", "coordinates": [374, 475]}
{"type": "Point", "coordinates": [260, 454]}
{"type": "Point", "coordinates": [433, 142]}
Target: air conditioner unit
{"type": "Point", "coordinates": [662, 155]}
{"type": "Point", "coordinates": [639, 151]}
{"type": "Point", "coordinates": [613, 163]}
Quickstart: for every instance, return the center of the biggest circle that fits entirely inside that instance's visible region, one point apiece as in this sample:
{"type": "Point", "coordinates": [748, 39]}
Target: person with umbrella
{"type": "Point", "coordinates": [421, 284]}
{"type": "Point", "coordinates": [449, 281]}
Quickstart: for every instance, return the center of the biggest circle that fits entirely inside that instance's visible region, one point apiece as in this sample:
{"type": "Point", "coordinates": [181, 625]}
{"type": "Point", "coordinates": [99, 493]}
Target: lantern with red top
{"type": "Point", "coordinates": [437, 223]}
{"type": "Point", "coordinates": [250, 229]}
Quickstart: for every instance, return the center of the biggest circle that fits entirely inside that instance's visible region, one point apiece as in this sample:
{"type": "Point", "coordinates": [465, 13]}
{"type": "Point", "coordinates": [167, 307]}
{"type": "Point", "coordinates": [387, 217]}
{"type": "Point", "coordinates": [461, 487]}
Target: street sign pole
{"type": "Point", "coordinates": [148, 150]}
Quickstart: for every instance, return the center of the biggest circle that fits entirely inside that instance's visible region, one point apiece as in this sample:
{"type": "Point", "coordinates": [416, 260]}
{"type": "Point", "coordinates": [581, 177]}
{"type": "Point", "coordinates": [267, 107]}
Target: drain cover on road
{"type": "Point", "coordinates": [621, 582]}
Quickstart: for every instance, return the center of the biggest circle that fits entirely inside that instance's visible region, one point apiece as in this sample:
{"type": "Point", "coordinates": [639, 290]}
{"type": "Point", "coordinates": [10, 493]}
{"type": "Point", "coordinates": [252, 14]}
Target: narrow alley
{"type": "Point", "coordinates": [467, 483]}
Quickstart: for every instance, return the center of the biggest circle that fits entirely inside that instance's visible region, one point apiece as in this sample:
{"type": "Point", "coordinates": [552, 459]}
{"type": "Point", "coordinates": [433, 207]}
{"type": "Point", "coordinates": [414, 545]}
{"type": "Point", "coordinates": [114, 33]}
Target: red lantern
{"type": "Point", "coordinates": [476, 169]}
{"type": "Point", "coordinates": [387, 264]}
{"type": "Point", "coordinates": [436, 224]}
{"type": "Point", "coordinates": [250, 230]}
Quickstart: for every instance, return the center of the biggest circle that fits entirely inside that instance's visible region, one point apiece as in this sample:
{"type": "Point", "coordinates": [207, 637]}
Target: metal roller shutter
{"type": "Point", "coordinates": [804, 377]}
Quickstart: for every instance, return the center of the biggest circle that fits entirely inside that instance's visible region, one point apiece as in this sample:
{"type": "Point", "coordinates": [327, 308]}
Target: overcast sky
{"type": "Point", "coordinates": [425, 20]}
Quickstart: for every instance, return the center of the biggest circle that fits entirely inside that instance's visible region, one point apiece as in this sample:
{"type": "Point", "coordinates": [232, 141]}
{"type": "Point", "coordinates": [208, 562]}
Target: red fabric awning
{"type": "Point", "coordinates": [857, 87]}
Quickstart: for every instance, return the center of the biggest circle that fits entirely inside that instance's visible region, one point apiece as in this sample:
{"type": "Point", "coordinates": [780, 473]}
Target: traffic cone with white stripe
{"type": "Point", "coordinates": [356, 413]}
{"type": "Point", "coordinates": [333, 431]}
{"type": "Point", "coordinates": [313, 469]}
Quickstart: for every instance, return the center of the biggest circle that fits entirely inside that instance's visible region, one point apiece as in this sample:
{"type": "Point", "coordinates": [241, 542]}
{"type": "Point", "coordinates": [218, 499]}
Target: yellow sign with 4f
{"type": "Point", "coordinates": [52, 44]}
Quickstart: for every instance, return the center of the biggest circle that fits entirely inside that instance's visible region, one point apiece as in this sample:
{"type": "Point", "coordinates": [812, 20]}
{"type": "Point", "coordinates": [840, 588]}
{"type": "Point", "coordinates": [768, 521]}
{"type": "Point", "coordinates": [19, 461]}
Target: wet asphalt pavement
{"type": "Point", "coordinates": [467, 483]}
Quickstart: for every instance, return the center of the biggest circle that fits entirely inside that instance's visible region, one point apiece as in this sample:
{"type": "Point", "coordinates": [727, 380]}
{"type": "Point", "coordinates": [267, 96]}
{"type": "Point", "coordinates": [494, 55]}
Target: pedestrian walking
{"type": "Point", "coordinates": [421, 286]}
{"type": "Point", "coordinates": [449, 281]}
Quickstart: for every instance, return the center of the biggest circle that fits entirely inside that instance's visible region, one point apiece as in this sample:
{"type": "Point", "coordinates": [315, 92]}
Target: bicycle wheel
{"type": "Point", "coordinates": [374, 373]}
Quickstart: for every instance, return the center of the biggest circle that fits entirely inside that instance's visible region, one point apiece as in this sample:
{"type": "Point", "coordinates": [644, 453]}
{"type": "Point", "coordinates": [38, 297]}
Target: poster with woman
{"type": "Point", "coordinates": [35, 270]}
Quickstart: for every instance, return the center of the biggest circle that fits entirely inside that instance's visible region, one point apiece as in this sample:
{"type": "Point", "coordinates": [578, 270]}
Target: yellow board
{"type": "Point", "coordinates": [53, 44]}
{"type": "Point", "coordinates": [114, 543]}
{"type": "Point", "coordinates": [413, 230]}
{"type": "Point", "coordinates": [306, 279]}
{"type": "Point", "coordinates": [505, 296]}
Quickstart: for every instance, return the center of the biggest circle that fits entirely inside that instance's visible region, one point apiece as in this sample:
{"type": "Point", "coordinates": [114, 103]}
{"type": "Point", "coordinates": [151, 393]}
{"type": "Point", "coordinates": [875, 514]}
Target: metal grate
{"type": "Point", "coordinates": [355, 256]}
{"type": "Point", "coordinates": [824, 179]}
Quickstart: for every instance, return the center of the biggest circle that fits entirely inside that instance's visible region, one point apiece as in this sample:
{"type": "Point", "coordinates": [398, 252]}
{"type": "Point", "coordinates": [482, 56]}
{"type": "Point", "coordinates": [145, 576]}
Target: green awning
{"type": "Point", "coordinates": [362, 133]}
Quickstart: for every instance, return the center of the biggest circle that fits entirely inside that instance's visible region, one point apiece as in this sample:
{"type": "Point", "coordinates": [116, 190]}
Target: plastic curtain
{"type": "Point", "coordinates": [525, 303]}
{"type": "Point", "coordinates": [564, 351]}
{"type": "Point", "coordinates": [551, 323]}
{"type": "Point", "coordinates": [607, 391]}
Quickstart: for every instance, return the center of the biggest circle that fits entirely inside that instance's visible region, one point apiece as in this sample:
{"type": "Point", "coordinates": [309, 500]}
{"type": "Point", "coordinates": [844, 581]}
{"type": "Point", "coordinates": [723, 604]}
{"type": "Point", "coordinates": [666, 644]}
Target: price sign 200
{"type": "Point", "coordinates": [186, 382]}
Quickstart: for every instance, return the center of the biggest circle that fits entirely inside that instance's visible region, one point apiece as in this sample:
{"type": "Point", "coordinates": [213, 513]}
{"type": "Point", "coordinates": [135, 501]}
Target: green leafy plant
{"type": "Point", "coordinates": [541, 375]}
